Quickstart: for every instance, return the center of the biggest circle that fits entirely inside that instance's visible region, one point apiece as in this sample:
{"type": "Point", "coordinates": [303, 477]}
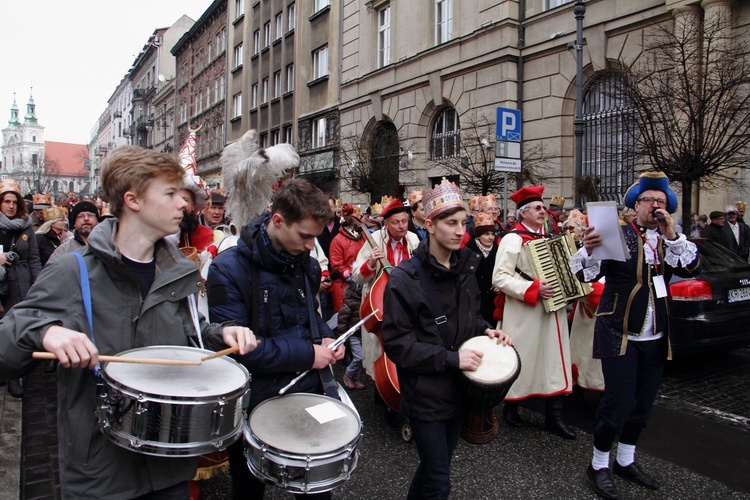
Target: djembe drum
{"type": "Point", "coordinates": [487, 386]}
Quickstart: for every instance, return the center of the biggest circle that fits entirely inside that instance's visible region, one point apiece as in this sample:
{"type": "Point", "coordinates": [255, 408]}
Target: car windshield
{"type": "Point", "coordinates": [715, 258]}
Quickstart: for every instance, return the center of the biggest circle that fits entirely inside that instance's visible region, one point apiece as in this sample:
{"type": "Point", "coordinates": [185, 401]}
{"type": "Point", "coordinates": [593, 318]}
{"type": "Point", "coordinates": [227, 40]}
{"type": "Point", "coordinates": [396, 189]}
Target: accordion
{"type": "Point", "coordinates": [550, 259]}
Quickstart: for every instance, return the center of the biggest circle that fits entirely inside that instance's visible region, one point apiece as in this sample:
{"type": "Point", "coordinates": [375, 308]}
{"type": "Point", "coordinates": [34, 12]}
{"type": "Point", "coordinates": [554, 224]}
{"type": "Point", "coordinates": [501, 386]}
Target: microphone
{"type": "Point", "coordinates": [658, 215]}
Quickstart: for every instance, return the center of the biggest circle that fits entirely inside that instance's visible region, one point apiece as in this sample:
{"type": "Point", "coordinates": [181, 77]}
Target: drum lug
{"type": "Point", "coordinates": [141, 417]}
{"type": "Point", "coordinates": [103, 411]}
{"type": "Point", "coordinates": [216, 417]}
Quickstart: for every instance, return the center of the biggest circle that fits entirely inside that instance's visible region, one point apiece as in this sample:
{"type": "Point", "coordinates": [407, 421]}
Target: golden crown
{"type": "Point", "coordinates": [386, 200]}
{"type": "Point", "coordinates": [9, 185]}
{"type": "Point", "coordinates": [557, 200]}
{"type": "Point", "coordinates": [42, 199]}
{"type": "Point", "coordinates": [474, 202]}
{"type": "Point", "coordinates": [483, 219]}
{"type": "Point", "coordinates": [740, 205]}
{"type": "Point", "coordinates": [415, 197]}
{"type": "Point", "coordinates": [442, 197]}
{"type": "Point", "coordinates": [488, 201]}
{"type": "Point", "coordinates": [55, 212]}
{"type": "Point", "coordinates": [375, 209]}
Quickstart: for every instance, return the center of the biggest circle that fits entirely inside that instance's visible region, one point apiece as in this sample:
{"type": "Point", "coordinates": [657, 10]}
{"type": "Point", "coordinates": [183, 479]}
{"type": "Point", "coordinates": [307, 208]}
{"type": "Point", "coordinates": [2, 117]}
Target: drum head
{"type": "Point", "coordinates": [285, 423]}
{"type": "Point", "coordinates": [499, 362]}
{"type": "Point", "coordinates": [215, 377]}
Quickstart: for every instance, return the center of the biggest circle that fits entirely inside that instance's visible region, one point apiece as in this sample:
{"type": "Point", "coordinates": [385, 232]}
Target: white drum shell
{"type": "Point", "coordinates": [184, 419]}
{"type": "Point", "coordinates": [302, 470]}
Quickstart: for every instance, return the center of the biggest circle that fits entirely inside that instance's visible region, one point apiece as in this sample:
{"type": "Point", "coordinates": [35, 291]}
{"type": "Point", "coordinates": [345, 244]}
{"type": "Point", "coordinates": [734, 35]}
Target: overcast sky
{"type": "Point", "coordinates": [75, 52]}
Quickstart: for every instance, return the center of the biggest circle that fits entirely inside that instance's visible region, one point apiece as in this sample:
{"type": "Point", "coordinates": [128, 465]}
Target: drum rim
{"type": "Point", "coordinates": [130, 391]}
{"type": "Point", "coordinates": [354, 414]}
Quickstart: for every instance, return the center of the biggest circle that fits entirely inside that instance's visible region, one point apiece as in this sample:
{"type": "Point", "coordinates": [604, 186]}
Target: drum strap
{"type": "Point", "coordinates": [326, 375]}
{"type": "Point", "coordinates": [86, 295]}
{"type": "Point", "coordinates": [432, 301]}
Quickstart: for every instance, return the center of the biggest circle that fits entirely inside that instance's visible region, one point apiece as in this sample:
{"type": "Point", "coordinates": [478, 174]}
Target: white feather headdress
{"type": "Point", "coordinates": [249, 174]}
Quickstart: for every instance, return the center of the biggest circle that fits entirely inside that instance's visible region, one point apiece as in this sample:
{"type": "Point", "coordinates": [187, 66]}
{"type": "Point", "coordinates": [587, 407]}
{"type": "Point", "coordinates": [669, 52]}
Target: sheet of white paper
{"type": "Point", "coordinates": [325, 412]}
{"type": "Point", "coordinates": [604, 217]}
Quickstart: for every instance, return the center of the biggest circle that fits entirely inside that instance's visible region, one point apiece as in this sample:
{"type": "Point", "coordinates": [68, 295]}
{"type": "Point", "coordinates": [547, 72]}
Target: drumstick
{"type": "Point", "coordinates": [333, 346]}
{"type": "Point", "coordinates": [224, 352]}
{"type": "Point", "coordinates": [123, 359]}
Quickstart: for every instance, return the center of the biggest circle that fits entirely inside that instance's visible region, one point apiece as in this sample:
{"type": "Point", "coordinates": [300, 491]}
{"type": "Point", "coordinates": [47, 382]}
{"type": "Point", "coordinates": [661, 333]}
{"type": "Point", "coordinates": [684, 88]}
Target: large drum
{"type": "Point", "coordinates": [303, 443]}
{"type": "Point", "coordinates": [486, 387]}
{"type": "Point", "coordinates": [171, 410]}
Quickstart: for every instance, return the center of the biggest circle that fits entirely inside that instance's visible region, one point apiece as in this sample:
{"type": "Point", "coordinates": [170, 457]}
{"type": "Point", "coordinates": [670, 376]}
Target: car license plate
{"type": "Point", "coordinates": [739, 294]}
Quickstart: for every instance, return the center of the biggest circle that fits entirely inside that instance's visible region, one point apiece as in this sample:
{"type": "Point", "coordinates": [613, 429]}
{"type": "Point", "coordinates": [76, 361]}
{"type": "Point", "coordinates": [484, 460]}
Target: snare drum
{"type": "Point", "coordinates": [171, 410]}
{"type": "Point", "coordinates": [303, 443]}
{"type": "Point", "coordinates": [487, 386]}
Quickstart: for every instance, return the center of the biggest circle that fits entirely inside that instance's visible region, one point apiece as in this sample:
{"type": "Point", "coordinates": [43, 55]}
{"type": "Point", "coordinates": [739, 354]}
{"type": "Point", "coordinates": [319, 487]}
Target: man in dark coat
{"type": "Point", "coordinates": [631, 336]}
{"type": "Point", "coordinates": [427, 360]}
{"type": "Point", "coordinates": [738, 239]}
{"type": "Point", "coordinates": [275, 249]}
{"type": "Point", "coordinates": [715, 230]}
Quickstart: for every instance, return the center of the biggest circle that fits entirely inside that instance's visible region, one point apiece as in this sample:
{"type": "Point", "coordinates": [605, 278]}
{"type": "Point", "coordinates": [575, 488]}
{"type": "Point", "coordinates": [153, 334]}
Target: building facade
{"type": "Point", "coordinates": [200, 96]}
{"type": "Point", "coordinates": [22, 150]}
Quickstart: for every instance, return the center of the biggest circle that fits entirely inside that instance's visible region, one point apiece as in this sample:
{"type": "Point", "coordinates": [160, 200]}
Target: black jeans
{"type": "Point", "coordinates": [631, 382]}
{"type": "Point", "coordinates": [435, 444]}
{"type": "Point", "coordinates": [180, 491]}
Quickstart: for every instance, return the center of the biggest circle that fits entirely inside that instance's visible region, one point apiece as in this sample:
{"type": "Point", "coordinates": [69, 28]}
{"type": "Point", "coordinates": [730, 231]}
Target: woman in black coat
{"type": "Point", "coordinates": [484, 242]}
{"type": "Point", "coordinates": [19, 256]}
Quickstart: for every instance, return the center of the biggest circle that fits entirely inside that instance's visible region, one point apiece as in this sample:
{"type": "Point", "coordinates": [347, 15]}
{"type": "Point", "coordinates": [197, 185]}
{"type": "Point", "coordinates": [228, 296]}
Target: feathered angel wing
{"type": "Point", "coordinates": [249, 173]}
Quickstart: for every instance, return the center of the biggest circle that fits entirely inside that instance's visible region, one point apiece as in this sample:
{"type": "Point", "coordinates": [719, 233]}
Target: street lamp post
{"type": "Point", "coordinates": [579, 10]}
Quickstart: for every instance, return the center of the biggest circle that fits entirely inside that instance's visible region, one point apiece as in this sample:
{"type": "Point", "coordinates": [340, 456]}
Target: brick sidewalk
{"type": "Point", "coordinates": [10, 445]}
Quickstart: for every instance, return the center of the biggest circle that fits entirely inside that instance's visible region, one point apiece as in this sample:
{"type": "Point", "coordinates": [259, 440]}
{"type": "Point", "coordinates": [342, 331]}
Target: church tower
{"type": "Point", "coordinates": [23, 143]}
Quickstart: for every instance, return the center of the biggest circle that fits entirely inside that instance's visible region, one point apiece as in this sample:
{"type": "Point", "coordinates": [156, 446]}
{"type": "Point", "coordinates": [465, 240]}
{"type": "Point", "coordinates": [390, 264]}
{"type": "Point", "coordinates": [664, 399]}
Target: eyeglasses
{"type": "Point", "coordinates": [650, 201]}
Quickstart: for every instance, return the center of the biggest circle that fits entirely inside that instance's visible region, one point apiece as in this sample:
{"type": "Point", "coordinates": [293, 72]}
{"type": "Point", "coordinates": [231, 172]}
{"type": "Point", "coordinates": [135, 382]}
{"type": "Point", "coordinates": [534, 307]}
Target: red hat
{"type": "Point", "coordinates": [393, 208]}
{"type": "Point", "coordinates": [527, 194]}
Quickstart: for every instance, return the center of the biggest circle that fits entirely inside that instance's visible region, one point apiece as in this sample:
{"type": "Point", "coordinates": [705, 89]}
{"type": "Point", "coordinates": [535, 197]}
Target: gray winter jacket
{"type": "Point", "coordinates": [90, 465]}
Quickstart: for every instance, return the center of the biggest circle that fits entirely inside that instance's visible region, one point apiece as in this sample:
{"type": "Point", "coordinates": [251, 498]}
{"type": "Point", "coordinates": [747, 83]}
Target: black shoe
{"type": "Point", "coordinates": [559, 428]}
{"type": "Point", "coordinates": [15, 389]}
{"type": "Point", "coordinates": [602, 482]}
{"type": "Point", "coordinates": [634, 473]}
{"type": "Point", "coordinates": [511, 416]}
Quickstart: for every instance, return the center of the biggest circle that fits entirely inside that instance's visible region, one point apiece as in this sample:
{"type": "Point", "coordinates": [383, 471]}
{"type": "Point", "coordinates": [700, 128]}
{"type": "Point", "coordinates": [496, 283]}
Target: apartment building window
{"type": "Point", "coordinates": [267, 34]}
{"type": "Point", "coordinates": [221, 38]}
{"type": "Point", "coordinates": [274, 137]}
{"type": "Point", "coordinates": [237, 105]}
{"type": "Point", "coordinates": [290, 78]}
{"type": "Point", "coordinates": [384, 36]}
{"type": "Point", "coordinates": [239, 8]}
{"type": "Point", "coordinates": [320, 63]}
{"type": "Point", "coordinates": [217, 95]}
{"type": "Point", "coordinates": [265, 90]}
{"type": "Point", "coordinates": [254, 103]}
{"type": "Point", "coordinates": [444, 20]}
{"type": "Point", "coordinates": [551, 4]}
{"type": "Point", "coordinates": [183, 112]}
{"type": "Point", "coordinates": [288, 134]}
{"type": "Point", "coordinates": [446, 135]}
{"type": "Point", "coordinates": [320, 4]}
{"type": "Point", "coordinates": [609, 136]}
{"type": "Point", "coordinates": [198, 102]}
{"type": "Point", "coordinates": [238, 55]}
{"type": "Point", "coordinates": [279, 25]}
{"type": "Point", "coordinates": [256, 42]}
{"type": "Point", "coordinates": [277, 85]}
{"type": "Point", "coordinates": [264, 140]}
{"type": "Point", "coordinates": [208, 96]}
{"type": "Point", "coordinates": [209, 52]}
{"type": "Point", "coordinates": [319, 133]}
{"type": "Point", "coordinates": [291, 16]}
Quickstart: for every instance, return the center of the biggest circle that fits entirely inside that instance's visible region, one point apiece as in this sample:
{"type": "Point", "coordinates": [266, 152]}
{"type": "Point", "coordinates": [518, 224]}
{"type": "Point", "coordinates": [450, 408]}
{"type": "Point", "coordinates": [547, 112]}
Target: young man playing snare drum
{"type": "Point", "coordinates": [139, 289]}
{"type": "Point", "coordinates": [425, 353]}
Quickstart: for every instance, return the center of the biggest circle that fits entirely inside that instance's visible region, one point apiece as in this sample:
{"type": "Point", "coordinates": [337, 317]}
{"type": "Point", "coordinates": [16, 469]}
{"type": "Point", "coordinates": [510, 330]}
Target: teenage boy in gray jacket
{"type": "Point", "coordinates": [139, 289]}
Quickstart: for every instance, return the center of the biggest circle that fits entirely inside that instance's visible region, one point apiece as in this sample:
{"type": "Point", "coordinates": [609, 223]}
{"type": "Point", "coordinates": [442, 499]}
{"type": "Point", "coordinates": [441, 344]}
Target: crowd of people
{"type": "Point", "coordinates": [297, 274]}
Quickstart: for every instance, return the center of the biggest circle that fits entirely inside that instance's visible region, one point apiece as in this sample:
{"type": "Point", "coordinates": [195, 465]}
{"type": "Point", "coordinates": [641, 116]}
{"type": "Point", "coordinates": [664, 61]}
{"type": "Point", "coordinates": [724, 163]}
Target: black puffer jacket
{"type": "Point", "coordinates": [427, 362]}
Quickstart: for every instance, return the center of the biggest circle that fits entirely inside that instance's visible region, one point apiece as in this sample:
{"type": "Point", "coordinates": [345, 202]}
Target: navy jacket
{"type": "Point", "coordinates": [281, 305]}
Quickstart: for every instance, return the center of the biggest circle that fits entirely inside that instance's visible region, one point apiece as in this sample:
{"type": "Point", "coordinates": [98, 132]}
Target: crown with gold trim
{"type": "Point", "coordinates": [10, 186]}
{"type": "Point", "coordinates": [54, 213]}
{"type": "Point", "coordinates": [375, 209]}
{"type": "Point", "coordinates": [386, 200]}
{"type": "Point", "coordinates": [740, 205]}
{"type": "Point", "coordinates": [442, 197]}
{"type": "Point", "coordinates": [578, 218]}
{"type": "Point", "coordinates": [487, 202]}
{"type": "Point", "coordinates": [415, 197]}
{"type": "Point", "coordinates": [42, 201]}
{"type": "Point", "coordinates": [483, 219]}
{"type": "Point", "coordinates": [557, 202]}
{"type": "Point", "coordinates": [474, 202]}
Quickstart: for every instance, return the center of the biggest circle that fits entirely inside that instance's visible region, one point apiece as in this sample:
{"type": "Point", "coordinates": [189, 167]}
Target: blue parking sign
{"type": "Point", "coordinates": [508, 125]}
